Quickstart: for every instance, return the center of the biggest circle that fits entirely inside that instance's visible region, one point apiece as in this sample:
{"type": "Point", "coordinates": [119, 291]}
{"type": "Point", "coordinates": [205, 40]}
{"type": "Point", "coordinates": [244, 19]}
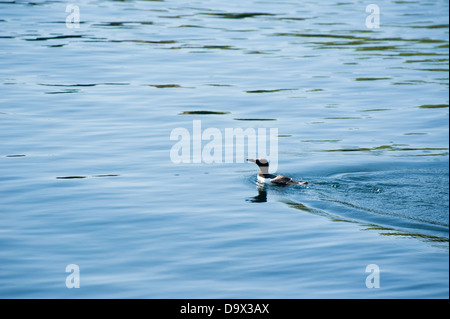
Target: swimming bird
{"type": "Point", "coordinates": [265, 177]}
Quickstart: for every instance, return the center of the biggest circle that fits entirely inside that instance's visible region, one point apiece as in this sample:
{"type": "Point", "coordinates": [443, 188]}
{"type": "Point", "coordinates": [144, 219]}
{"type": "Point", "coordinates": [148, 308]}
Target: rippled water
{"type": "Point", "coordinates": [86, 177]}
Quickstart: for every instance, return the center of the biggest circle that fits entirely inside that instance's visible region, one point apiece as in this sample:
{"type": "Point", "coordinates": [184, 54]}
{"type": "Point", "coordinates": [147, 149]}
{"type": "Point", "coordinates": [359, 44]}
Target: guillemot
{"type": "Point", "coordinates": [264, 176]}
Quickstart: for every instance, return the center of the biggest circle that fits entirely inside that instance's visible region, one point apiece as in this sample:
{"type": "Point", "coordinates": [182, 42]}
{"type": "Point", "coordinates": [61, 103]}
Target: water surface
{"type": "Point", "coordinates": [86, 177]}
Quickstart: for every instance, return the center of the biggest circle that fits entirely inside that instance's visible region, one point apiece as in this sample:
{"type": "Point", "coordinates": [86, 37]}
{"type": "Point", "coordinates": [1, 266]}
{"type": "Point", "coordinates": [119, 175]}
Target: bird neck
{"type": "Point", "coordinates": [264, 169]}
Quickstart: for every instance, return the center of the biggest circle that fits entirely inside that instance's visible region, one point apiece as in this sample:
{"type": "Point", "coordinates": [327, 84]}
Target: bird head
{"type": "Point", "coordinates": [259, 161]}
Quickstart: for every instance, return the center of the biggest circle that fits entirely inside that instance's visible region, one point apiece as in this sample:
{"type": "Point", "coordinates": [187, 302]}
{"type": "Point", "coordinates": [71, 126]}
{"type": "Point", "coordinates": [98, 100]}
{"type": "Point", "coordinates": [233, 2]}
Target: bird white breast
{"type": "Point", "coordinates": [263, 180]}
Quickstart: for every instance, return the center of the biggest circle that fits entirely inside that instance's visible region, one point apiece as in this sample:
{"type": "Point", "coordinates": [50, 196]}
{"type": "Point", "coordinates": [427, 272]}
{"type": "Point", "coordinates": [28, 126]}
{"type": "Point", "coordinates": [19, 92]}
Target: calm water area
{"type": "Point", "coordinates": [86, 113]}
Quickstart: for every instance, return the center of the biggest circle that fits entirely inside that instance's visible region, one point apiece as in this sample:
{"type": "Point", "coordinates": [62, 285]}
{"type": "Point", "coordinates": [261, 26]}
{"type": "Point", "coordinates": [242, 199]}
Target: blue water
{"type": "Point", "coordinates": [86, 176]}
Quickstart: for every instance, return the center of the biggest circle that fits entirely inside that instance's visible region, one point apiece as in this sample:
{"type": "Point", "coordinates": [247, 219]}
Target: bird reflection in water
{"type": "Point", "coordinates": [261, 197]}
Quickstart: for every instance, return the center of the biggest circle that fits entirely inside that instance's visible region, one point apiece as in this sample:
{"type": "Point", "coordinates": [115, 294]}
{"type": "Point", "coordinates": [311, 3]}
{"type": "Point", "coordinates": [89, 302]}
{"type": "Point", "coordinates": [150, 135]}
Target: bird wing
{"type": "Point", "coordinates": [283, 180]}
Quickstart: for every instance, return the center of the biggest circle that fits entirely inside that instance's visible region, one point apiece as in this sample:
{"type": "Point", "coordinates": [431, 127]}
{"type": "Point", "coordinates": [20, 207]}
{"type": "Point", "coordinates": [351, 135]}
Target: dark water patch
{"type": "Point", "coordinates": [110, 24]}
{"type": "Point", "coordinates": [64, 22]}
{"type": "Point", "coordinates": [442, 79]}
{"type": "Point", "coordinates": [427, 60]}
{"type": "Point", "coordinates": [337, 36]}
{"type": "Point", "coordinates": [393, 147]}
{"type": "Point", "coordinates": [371, 79]}
{"type": "Point", "coordinates": [269, 91]}
{"type": "Point", "coordinates": [377, 48]}
{"type": "Point", "coordinates": [337, 44]}
{"type": "Point", "coordinates": [83, 177]}
{"type": "Point", "coordinates": [429, 238]}
{"type": "Point", "coordinates": [435, 26]}
{"type": "Point", "coordinates": [219, 85]}
{"type": "Point", "coordinates": [137, 41]}
{"type": "Point", "coordinates": [219, 47]}
{"type": "Point", "coordinates": [238, 15]}
{"type": "Point", "coordinates": [36, 3]}
{"type": "Point", "coordinates": [430, 41]}
{"type": "Point", "coordinates": [257, 52]}
{"type": "Point", "coordinates": [313, 35]}
{"type": "Point", "coordinates": [16, 155]}
{"type": "Point", "coordinates": [404, 83]}
{"type": "Point", "coordinates": [433, 70]}
{"type": "Point", "coordinates": [207, 47]}
{"type": "Point", "coordinates": [106, 175]}
{"type": "Point", "coordinates": [67, 91]}
{"type": "Point", "coordinates": [123, 23]}
{"type": "Point", "coordinates": [147, 41]}
{"type": "Point", "coordinates": [432, 154]}
{"type": "Point", "coordinates": [411, 82]}
{"type": "Point", "coordinates": [175, 16]}
{"type": "Point", "coordinates": [375, 110]}
{"type": "Point", "coordinates": [305, 208]}
{"type": "Point", "coordinates": [165, 86]}
{"type": "Point", "coordinates": [415, 133]}
{"type": "Point", "coordinates": [358, 40]}
{"type": "Point", "coordinates": [203, 113]}
{"type": "Point", "coordinates": [315, 90]}
{"type": "Point", "coordinates": [357, 149]}
{"type": "Point", "coordinates": [68, 85]}
{"type": "Point", "coordinates": [388, 231]}
{"type": "Point", "coordinates": [26, 3]}
{"type": "Point", "coordinates": [420, 54]}
{"type": "Point", "coordinates": [58, 37]}
{"type": "Point", "coordinates": [291, 19]}
{"type": "Point", "coordinates": [82, 84]}
{"type": "Point", "coordinates": [421, 149]}
{"type": "Point", "coordinates": [335, 218]}
{"type": "Point", "coordinates": [190, 26]}
{"type": "Point", "coordinates": [433, 106]}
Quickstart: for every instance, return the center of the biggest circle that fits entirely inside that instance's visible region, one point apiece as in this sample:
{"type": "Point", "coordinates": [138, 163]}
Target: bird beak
{"type": "Point", "coordinates": [251, 160]}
